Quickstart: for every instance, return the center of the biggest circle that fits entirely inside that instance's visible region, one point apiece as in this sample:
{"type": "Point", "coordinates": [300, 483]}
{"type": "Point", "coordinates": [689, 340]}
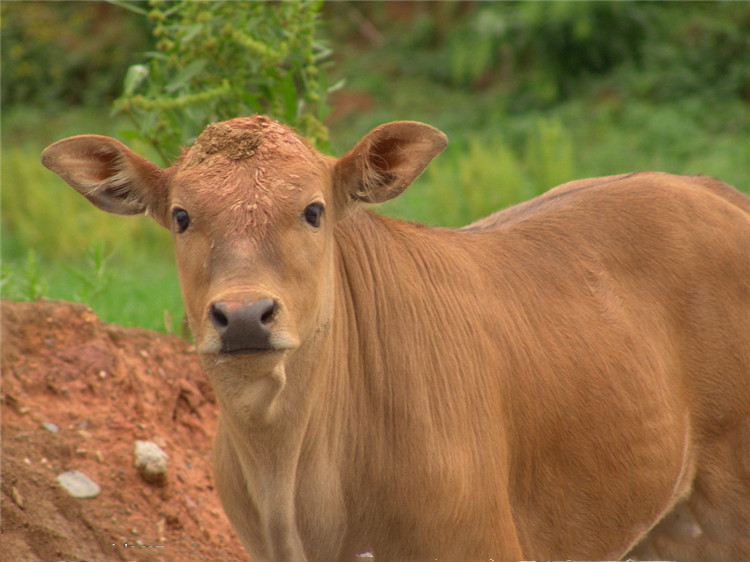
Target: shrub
{"type": "Point", "coordinates": [57, 54]}
{"type": "Point", "coordinates": [217, 60]}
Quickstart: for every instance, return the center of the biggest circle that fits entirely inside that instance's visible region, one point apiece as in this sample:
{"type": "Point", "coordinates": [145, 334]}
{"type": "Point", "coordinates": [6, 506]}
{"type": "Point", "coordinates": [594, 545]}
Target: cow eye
{"type": "Point", "coordinates": [313, 213]}
{"type": "Point", "coordinates": [181, 219]}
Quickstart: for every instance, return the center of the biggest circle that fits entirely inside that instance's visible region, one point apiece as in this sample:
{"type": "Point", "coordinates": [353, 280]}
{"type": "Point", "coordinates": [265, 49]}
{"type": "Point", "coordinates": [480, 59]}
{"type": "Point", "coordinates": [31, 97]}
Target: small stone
{"type": "Point", "coordinates": [17, 497]}
{"type": "Point", "coordinates": [151, 462]}
{"type": "Point", "coordinates": [51, 427]}
{"type": "Point", "coordinates": [78, 484]}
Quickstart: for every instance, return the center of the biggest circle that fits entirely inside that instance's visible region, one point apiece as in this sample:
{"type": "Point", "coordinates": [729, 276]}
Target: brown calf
{"type": "Point", "coordinates": [568, 378]}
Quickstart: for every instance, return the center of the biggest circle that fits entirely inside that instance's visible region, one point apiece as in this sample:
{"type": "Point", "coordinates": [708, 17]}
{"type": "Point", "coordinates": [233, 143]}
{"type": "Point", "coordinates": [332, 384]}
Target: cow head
{"type": "Point", "coordinates": [252, 209]}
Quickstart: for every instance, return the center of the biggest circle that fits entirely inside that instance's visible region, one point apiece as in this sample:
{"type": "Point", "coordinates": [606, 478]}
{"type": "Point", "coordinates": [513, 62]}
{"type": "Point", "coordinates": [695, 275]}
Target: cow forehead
{"type": "Point", "coordinates": [246, 172]}
{"type": "Point", "coordinates": [245, 138]}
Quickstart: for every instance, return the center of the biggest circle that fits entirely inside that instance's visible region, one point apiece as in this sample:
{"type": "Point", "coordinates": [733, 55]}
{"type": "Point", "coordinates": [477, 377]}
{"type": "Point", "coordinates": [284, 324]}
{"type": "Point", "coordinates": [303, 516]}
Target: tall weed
{"type": "Point", "coordinates": [97, 277]}
{"type": "Point", "coordinates": [550, 155]}
{"type": "Point", "coordinates": [24, 280]}
{"type": "Point", "coordinates": [218, 60]}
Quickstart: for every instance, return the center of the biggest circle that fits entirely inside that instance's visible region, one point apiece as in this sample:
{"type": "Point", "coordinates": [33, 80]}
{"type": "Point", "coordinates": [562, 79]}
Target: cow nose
{"type": "Point", "coordinates": [243, 327]}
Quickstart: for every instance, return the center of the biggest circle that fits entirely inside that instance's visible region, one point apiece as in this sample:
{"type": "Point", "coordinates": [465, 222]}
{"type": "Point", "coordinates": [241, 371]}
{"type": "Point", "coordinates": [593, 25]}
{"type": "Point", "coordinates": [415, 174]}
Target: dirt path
{"type": "Point", "coordinates": [104, 387]}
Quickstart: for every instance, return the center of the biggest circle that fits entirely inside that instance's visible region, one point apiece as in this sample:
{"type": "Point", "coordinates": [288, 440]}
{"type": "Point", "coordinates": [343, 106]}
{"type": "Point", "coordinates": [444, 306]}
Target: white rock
{"type": "Point", "coordinates": [151, 462]}
{"type": "Point", "coordinates": [51, 427]}
{"type": "Point", "coordinates": [78, 484]}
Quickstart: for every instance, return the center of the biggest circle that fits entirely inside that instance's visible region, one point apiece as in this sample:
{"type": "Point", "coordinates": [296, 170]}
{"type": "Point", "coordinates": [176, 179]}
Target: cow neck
{"type": "Point", "coordinates": [396, 281]}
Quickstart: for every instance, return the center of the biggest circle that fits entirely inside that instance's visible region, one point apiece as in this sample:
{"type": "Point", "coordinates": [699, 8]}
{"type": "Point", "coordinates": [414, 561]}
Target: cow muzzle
{"type": "Point", "coordinates": [244, 327]}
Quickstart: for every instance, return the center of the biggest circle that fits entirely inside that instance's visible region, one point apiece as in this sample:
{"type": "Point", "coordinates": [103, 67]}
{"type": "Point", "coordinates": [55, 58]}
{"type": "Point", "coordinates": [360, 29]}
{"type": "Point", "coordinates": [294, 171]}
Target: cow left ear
{"type": "Point", "coordinates": [110, 175]}
{"type": "Point", "coordinates": [384, 163]}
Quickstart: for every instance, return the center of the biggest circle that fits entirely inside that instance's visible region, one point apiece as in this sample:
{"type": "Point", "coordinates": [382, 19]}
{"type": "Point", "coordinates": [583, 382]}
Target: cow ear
{"type": "Point", "coordinates": [390, 157]}
{"type": "Point", "coordinates": [109, 175]}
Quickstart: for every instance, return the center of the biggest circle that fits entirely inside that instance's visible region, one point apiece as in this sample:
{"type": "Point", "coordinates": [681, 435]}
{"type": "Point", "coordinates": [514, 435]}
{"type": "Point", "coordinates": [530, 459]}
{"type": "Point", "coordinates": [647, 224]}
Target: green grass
{"type": "Point", "coordinates": [134, 291]}
{"type": "Point", "coordinates": [687, 137]}
{"type": "Point", "coordinates": [57, 245]}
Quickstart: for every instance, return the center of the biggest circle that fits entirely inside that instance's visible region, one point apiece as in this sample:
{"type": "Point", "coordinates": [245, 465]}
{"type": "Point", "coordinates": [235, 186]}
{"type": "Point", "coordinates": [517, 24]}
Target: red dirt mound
{"type": "Point", "coordinates": [104, 387]}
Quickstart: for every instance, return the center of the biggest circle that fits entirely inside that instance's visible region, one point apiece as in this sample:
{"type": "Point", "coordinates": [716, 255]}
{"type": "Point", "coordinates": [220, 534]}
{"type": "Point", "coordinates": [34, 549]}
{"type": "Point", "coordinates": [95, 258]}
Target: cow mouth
{"type": "Point", "coordinates": [247, 351]}
{"type": "Point", "coordinates": [248, 348]}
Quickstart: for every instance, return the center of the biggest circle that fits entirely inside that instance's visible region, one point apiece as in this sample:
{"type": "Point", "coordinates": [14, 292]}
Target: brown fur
{"type": "Point", "coordinates": [565, 379]}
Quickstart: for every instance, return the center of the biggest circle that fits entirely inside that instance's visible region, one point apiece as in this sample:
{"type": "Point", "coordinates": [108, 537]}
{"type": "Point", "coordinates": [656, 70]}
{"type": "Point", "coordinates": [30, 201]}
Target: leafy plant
{"type": "Point", "coordinates": [96, 278]}
{"type": "Point", "coordinates": [702, 51]}
{"type": "Point", "coordinates": [550, 157]}
{"type": "Point", "coordinates": [217, 60]}
{"type": "Point", "coordinates": [56, 54]}
{"type": "Point", "coordinates": [24, 281]}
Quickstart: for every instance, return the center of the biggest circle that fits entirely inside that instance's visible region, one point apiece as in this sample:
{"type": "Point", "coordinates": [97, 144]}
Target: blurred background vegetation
{"type": "Point", "coordinates": [531, 94]}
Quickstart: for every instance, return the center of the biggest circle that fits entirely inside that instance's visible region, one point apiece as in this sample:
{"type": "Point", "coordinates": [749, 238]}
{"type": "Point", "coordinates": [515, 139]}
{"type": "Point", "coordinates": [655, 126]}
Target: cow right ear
{"type": "Point", "coordinates": [110, 175]}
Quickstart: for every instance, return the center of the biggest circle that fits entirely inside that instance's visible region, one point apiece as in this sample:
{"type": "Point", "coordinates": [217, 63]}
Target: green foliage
{"type": "Point", "coordinates": [137, 291]}
{"type": "Point", "coordinates": [56, 54]}
{"type": "Point", "coordinates": [473, 181]}
{"type": "Point", "coordinates": [550, 157]}
{"type": "Point", "coordinates": [218, 60]}
{"type": "Point", "coordinates": [26, 281]}
{"type": "Point", "coordinates": [561, 44]}
{"type": "Point", "coordinates": [96, 278]}
{"type": "Point", "coordinates": [704, 51]}
{"type": "Point", "coordinates": [536, 54]}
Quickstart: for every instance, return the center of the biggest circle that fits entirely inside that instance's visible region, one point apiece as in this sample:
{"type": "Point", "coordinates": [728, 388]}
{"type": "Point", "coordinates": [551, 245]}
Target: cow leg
{"type": "Point", "coordinates": [713, 522]}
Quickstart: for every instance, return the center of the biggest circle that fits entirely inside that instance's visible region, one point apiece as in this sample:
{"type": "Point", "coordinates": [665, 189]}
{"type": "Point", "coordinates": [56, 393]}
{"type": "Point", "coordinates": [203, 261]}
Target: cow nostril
{"type": "Point", "coordinates": [267, 315]}
{"type": "Point", "coordinates": [219, 316]}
